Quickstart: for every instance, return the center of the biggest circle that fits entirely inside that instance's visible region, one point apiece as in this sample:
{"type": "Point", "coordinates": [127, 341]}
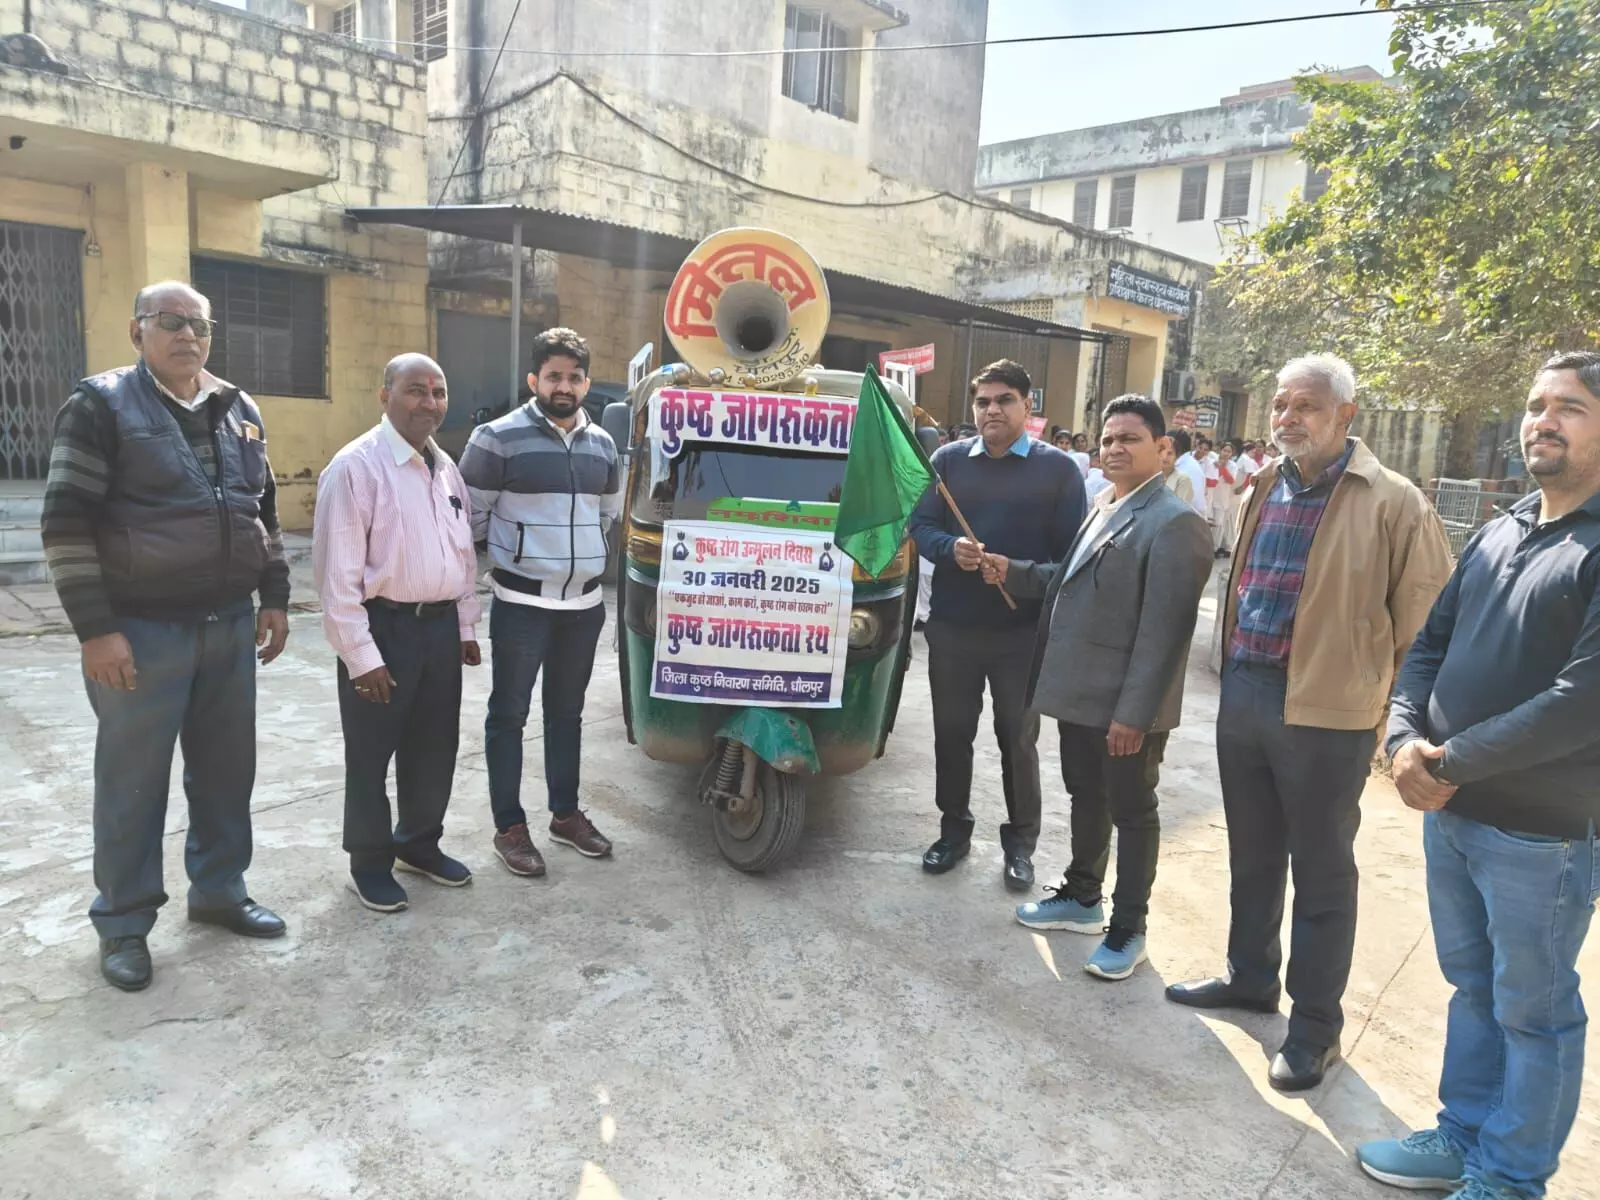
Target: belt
{"type": "Point", "coordinates": [426, 609]}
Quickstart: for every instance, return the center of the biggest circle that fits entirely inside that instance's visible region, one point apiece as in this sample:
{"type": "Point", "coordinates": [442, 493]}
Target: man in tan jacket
{"type": "Point", "coordinates": [1338, 563]}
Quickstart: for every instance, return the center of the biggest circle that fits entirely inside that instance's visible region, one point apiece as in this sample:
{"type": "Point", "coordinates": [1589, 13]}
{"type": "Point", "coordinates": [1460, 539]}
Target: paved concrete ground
{"type": "Point", "coordinates": [660, 1025]}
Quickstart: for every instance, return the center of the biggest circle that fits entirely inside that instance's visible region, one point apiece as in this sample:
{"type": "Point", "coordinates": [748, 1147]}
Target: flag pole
{"type": "Point", "coordinates": [967, 529]}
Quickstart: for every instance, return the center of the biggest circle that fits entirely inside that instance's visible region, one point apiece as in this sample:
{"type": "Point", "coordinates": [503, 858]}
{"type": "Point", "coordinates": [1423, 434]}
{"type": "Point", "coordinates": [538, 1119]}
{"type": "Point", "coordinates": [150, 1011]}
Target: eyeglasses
{"type": "Point", "coordinates": [982, 403]}
{"type": "Point", "coordinates": [173, 322]}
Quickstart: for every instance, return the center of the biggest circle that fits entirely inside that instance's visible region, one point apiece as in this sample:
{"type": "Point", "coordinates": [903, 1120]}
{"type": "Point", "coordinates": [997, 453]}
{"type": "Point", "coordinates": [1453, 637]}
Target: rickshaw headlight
{"type": "Point", "coordinates": [864, 628]}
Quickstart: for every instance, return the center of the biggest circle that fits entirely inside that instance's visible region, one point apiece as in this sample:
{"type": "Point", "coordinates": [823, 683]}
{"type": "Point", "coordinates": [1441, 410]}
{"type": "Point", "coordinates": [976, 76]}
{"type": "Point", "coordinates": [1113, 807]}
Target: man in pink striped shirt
{"type": "Point", "coordinates": [394, 566]}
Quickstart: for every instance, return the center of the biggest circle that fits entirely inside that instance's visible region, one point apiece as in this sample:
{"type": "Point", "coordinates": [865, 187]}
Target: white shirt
{"type": "Point", "coordinates": [1082, 459]}
{"type": "Point", "coordinates": [1104, 510]}
{"type": "Point", "coordinates": [1197, 476]}
{"type": "Point", "coordinates": [1095, 482]}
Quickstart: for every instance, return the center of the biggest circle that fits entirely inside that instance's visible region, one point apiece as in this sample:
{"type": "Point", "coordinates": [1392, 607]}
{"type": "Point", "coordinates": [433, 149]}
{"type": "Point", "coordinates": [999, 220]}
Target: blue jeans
{"type": "Point", "coordinates": [197, 687]}
{"type": "Point", "coordinates": [1510, 912]}
{"type": "Point", "coordinates": [525, 638]}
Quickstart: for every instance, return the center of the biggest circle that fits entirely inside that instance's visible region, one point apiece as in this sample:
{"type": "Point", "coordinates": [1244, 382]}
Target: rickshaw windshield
{"type": "Point", "coordinates": [683, 488]}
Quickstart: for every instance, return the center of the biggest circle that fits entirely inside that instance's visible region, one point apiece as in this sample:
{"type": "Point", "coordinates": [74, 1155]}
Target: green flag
{"type": "Point", "coordinates": [884, 477]}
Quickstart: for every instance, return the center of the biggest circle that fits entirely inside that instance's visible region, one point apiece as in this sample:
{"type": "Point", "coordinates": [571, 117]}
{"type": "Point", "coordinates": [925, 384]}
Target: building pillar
{"type": "Point", "coordinates": [158, 223]}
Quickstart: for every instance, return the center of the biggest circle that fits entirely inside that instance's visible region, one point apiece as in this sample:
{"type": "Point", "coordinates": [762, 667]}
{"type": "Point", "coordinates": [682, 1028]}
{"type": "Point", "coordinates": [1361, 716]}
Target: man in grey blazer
{"type": "Point", "coordinates": [1108, 664]}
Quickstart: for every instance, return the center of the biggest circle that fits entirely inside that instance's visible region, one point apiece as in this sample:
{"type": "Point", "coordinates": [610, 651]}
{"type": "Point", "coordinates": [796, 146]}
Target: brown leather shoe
{"type": "Point", "coordinates": [516, 849]}
{"type": "Point", "coordinates": [576, 830]}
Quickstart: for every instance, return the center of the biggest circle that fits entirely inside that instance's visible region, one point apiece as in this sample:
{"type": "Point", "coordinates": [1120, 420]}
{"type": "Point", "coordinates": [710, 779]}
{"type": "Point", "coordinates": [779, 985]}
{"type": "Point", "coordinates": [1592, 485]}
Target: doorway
{"type": "Point", "coordinates": [41, 340]}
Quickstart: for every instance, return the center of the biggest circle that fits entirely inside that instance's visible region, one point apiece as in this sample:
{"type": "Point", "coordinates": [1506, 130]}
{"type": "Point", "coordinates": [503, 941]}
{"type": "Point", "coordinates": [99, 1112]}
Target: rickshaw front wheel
{"type": "Point", "coordinates": [758, 834]}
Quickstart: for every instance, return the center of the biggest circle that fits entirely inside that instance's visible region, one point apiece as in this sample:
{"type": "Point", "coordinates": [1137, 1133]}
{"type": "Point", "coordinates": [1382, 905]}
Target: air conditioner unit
{"type": "Point", "coordinates": [1183, 387]}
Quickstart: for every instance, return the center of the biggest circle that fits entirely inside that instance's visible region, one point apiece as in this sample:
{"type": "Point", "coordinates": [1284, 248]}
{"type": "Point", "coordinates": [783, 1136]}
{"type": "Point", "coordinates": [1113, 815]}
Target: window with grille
{"type": "Point", "coordinates": [1236, 187]}
{"type": "Point", "coordinates": [430, 28]}
{"type": "Point", "coordinates": [345, 21]}
{"type": "Point", "coordinates": [1037, 310]}
{"type": "Point", "coordinates": [1316, 184]}
{"type": "Point", "coordinates": [1192, 193]}
{"type": "Point", "coordinates": [1022, 197]}
{"type": "Point", "coordinates": [271, 334]}
{"type": "Point", "coordinates": [1084, 197]}
{"type": "Point", "coordinates": [817, 80]}
{"type": "Point", "coordinates": [1122, 202]}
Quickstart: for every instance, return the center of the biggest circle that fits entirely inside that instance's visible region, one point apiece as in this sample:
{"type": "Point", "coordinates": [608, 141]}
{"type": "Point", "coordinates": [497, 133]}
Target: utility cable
{"type": "Point", "coordinates": [1024, 40]}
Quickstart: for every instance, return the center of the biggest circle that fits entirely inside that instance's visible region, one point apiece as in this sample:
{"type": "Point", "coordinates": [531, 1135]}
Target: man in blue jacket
{"type": "Point", "coordinates": [1494, 735]}
{"type": "Point", "coordinates": [1024, 500]}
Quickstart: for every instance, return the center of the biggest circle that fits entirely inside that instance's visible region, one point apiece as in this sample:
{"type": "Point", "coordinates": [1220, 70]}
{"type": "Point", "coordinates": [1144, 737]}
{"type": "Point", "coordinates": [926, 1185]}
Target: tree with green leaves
{"type": "Point", "coordinates": [1458, 242]}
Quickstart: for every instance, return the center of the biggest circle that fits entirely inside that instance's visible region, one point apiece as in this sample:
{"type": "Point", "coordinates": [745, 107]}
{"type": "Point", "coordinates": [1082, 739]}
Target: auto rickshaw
{"type": "Point", "coordinates": [740, 451]}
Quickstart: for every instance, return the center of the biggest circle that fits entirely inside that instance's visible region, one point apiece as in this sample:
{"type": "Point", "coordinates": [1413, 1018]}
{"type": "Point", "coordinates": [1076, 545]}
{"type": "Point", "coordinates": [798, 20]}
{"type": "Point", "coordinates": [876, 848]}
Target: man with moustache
{"type": "Point", "coordinates": [1494, 736]}
{"type": "Point", "coordinates": [1023, 499]}
{"type": "Point", "coordinates": [1338, 562]}
{"type": "Point", "coordinates": [160, 522]}
{"type": "Point", "coordinates": [545, 485]}
{"type": "Point", "coordinates": [1113, 640]}
{"type": "Point", "coordinates": [392, 550]}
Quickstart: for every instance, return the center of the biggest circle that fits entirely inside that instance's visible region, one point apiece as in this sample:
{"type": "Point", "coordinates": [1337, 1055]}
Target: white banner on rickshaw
{"type": "Point", "coordinates": [768, 420]}
{"type": "Point", "coordinates": [751, 617]}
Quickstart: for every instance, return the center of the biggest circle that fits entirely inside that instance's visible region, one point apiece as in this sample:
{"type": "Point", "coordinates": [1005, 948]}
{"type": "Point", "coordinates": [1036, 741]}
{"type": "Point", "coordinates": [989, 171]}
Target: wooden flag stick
{"type": "Point", "coordinates": [967, 529]}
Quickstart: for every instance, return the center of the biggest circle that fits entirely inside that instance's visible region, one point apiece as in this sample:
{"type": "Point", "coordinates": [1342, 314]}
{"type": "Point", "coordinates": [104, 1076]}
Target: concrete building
{"type": "Point", "coordinates": [190, 140]}
{"type": "Point", "coordinates": [1190, 183]}
{"type": "Point", "coordinates": [867, 159]}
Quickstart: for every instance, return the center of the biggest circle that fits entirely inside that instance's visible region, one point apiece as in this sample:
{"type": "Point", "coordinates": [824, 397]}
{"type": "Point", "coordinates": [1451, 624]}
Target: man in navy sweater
{"type": "Point", "coordinates": [1024, 500]}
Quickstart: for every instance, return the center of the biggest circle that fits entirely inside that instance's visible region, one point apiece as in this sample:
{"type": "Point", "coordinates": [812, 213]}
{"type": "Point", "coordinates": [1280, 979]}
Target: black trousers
{"type": "Point", "coordinates": [1113, 792]}
{"type": "Point", "coordinates": [961, 662]}
{"type": "Point", "coordinates": [1292, 796]}
{"type": "Point", "coordinates": [418, 730]}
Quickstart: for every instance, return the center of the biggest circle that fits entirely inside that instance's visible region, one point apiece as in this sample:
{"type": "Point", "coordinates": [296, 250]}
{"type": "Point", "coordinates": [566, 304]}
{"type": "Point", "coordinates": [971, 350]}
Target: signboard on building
{"type": "Point", "coordinates": [1146, 290]}
{"type": "Point", "coordinates": [1207, 410]}
{"type": "Point", "coordinates": [1184, 418]}
{"type": "Point", "coordinates": [1036, 401]}
{"type": "Point", "coordinates": [1036, 428]}
{"type": "Point", "coordinates": [918, 358]}
{"type": "Point", "coordinates": [751, 616]}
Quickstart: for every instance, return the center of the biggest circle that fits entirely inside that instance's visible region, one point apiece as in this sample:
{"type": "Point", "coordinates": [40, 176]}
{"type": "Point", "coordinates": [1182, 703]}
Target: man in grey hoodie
{"type": "Point", "coordinates": [545, 483]}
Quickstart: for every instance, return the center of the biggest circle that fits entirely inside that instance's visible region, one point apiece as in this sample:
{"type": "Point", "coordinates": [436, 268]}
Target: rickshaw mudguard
{"type": "Point", "coordinates": [779, 738]}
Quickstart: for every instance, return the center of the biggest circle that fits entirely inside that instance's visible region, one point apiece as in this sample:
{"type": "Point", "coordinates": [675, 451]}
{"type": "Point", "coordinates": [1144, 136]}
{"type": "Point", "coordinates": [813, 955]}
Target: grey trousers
{"type": "Point", "coordinates": [197, 687]}
{"type": "Point", "coordinates": [1292, 797]}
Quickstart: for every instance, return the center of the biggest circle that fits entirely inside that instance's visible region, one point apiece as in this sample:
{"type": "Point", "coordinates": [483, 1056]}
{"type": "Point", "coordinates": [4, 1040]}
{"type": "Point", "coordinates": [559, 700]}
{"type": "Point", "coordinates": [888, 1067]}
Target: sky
{"type": "Point", "coordinates": [1042, 88]}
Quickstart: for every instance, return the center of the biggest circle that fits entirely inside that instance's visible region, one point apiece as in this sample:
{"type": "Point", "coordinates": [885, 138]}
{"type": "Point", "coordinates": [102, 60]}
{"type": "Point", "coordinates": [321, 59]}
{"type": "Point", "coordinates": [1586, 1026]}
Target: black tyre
{"type": "Point", "coordinates": [760, 835]}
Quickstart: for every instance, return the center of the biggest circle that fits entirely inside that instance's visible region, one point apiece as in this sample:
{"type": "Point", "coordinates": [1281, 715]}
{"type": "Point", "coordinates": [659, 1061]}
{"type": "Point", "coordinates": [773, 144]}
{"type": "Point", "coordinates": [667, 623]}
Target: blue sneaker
{"type": "Point", "coordinates": [437, 866]}
{"type": "Point", "coordinates": [1425, 1161]}
{"type": "Point", "coordinates": [1061, 911]}
{"type": "Point", "coordinates": [377, 889]}
{"type": "Point", "coordinates": [1117, 956]}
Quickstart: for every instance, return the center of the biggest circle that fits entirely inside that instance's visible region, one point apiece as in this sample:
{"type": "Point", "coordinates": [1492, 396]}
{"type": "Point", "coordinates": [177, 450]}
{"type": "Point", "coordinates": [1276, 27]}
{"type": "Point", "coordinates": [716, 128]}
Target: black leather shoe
{"type": "Point", "coordinates": [943, 855]}
{"type": "Point", "coordinates": [1220, 993]}
{"type": "Point", "coordinates": [1019, 873]}
{"type": "Point", "coordinates": [1300, 1065]}
{"type": "Point", "coordinates": [247, 919]}
{"type": "Point", "coordinates": [125, 962]}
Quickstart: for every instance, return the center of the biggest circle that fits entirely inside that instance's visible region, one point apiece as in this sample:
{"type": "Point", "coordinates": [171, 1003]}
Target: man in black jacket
{"type": "Point", "coordinates": [1494, 735]}
{"type": "Point", "coordinates": [160, 521]}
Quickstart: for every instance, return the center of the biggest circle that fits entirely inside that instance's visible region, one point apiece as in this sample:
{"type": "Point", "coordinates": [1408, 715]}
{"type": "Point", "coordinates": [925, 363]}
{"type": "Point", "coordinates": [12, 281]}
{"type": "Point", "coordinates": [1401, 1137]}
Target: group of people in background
{"type": "Point", "coordinates": [1342, 599]}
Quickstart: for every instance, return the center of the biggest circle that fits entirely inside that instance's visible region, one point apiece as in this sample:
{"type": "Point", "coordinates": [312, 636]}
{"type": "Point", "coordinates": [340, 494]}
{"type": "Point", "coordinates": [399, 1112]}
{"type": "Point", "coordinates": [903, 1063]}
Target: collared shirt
{"type": "Point", "coordinates": [388, 526]}
{"type": "Point", "coordinates": [1104, 508]}
{"type": "Point", "coordinates": [209, 384]}
{"type": "Point", "coordinates": [1018, 447]}
{"type": "Point", "coordinates": [1275, 564]}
